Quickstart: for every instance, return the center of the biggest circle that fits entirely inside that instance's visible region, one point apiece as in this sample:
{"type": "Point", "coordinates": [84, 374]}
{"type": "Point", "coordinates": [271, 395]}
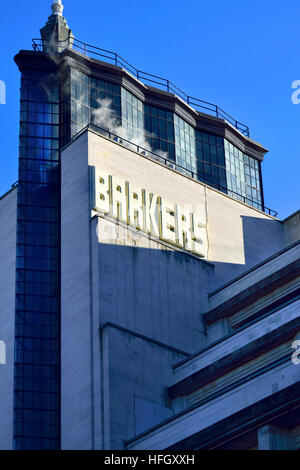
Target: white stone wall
{"type": "Point", "coordinates": [140, 284]}
{"type": "Point", "coordinates": [75, 297]}
{"type": "Point", "coordinates": [239, 236]}
{"type": "Point", "coordinates": [8, 211]}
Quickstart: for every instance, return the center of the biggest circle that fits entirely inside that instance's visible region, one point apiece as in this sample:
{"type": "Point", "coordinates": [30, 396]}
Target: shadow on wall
{"type": "Point", "coordinates": [161, 294]}
{"type": "Point", "coordinates": [158, 292]}
{"type": "Point", "coordinates": [262, 238]}
{"type": "Point", "coordinates": [148, 302]}
{"type": "Point", "coordinates": [155, 293]}
{"type": "Point", "coordinates": [146, 286]}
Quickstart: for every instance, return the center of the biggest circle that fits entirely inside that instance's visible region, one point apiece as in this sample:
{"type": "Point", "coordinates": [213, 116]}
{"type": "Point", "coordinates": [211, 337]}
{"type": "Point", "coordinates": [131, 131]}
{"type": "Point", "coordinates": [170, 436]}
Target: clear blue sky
{"type": "Point", "coordinates": [238, 54]}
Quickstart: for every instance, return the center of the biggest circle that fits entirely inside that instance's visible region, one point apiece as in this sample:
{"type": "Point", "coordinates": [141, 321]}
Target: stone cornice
{"type": "Point", "coordinates": [148, 94]}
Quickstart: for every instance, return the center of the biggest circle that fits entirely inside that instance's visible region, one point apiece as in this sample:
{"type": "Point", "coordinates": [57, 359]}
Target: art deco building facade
{"type": "Point", "coordinates": [149, 299]}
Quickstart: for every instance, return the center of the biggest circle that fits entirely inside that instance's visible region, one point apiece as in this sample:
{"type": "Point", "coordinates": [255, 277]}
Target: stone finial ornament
{"type": "Point", "coordinates": [56, 34]}
{"type": "Point", "coordinates": [57, 7]}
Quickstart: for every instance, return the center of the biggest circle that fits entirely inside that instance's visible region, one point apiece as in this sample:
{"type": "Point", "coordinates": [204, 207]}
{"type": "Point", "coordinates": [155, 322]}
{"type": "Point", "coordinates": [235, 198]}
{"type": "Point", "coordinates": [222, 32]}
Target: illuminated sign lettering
{"type": "Point", "coordinates": [149, 212]}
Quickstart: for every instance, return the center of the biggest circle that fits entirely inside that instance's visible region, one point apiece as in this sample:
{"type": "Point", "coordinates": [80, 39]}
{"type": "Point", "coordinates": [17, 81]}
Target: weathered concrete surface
{"type": "Point", "coordinates": [133, 368]}
{"type": "Point", "coordinates": [152, 289]}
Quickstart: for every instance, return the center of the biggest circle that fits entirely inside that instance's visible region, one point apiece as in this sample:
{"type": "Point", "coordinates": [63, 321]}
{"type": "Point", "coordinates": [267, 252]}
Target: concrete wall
{"type": "Point", "coordinates": [8, 211]}
{"type": "Point", "coordinates": [153, 292]}
{"type": "Point", "coordinates": [132, 281]}
{"type": "Point", "coordinates": [136, 373]}
{"type": "Point", "coordinates": [152, 289]}
{"type": "Point", "coordinates": [239, 236]}
{"type": "Point", "coordinates": [75, 296]}
{"type": "Point", "coordinates": [291, 227]}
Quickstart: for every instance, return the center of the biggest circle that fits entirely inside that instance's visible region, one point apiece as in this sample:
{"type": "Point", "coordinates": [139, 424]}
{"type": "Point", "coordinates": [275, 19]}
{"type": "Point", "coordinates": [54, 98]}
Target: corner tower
{"type": "Point", "coordinates": [56, 34]}
{"type": "Point", "coordinates": [37, 307]}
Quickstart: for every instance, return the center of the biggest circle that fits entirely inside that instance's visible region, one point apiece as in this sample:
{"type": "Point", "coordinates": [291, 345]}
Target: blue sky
{"type": "Point", "coordinates": [238, 54]}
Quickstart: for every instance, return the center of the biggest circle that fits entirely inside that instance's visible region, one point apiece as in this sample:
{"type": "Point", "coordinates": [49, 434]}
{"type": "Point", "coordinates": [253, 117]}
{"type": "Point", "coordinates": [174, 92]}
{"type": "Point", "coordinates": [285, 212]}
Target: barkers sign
{"type": "Point", "coordinates": [181, 225]}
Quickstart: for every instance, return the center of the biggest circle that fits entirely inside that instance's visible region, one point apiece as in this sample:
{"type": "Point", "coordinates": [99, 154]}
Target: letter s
{"type": "Point", "coordinates": [296, 94]}
{"type": "Point", "coordinates": [296, 354]}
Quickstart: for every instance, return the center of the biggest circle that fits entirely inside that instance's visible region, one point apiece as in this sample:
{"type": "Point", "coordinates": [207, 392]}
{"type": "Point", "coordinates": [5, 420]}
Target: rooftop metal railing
{"type": "Point", "coordinates": [160, 82]}
{"type": "Point", "coordinates": [173, 165]}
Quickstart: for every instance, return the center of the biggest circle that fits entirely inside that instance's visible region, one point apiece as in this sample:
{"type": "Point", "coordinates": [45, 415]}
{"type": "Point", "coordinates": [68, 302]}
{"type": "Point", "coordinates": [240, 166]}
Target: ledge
{"type": "Point", "coordinates": [252, 293]}
{"type": "Point", "coordinates": [286, 401]}
{"type": "Point", "coordinates": [254, 268]}
{"type": "Point", "coordinates": [237, 358]}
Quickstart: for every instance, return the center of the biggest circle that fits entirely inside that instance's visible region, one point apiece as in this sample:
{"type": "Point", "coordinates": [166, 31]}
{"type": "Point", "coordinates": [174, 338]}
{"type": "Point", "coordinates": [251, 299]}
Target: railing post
{"type": "Point", "coordinates": [217, 111]}
{"type": "Point", "coordinates": [116, 59]}
{"type": "Point", "coordinates": [168, 85]}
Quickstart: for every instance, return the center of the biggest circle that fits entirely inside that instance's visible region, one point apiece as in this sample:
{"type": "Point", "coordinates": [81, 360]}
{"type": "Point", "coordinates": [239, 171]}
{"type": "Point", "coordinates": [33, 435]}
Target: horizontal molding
{"type": "Point", "coordinates": [244, 371]}
{"type": "Point", "coordinates": [212, 397]}
{"type": "Point", "coordinates": [254, 268]}
{"type": "Point", "coordinates": [235, 359]}
{"type": "Point", "coordinates": [143, 337]}
{"type": "Point", "coordinates": [33, 60]}
{"type": "Point", "coordinates": [281, 301]}
{"type": "Point", "coordinates": [249, 418]}
{"type": "Point", "coordinates": [268, 311]}
{"type": "Point", "coordinates": [253, 292]}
